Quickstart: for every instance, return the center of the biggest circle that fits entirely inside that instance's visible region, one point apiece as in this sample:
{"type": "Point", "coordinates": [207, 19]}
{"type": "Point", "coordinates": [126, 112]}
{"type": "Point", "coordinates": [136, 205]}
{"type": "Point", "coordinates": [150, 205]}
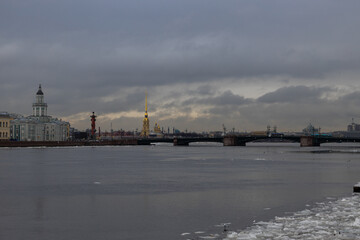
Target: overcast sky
{"type": "Point", "coordinates": [204, 63]}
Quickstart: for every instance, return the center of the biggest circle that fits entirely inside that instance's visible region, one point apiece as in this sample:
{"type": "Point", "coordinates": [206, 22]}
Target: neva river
{"type": "Point", "coordinates": [163, 192]}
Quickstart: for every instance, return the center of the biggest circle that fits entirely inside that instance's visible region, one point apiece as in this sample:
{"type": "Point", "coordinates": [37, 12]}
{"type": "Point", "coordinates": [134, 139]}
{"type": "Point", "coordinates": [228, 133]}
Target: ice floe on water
{"type": "Point", "coordinates": [339, 219]}
{"type": "Point", "coordinates": [260, 159]}
{"type": "Point", "coordinates": [333, 220]}
{"type": "Point", "coordinates": [184, 234]}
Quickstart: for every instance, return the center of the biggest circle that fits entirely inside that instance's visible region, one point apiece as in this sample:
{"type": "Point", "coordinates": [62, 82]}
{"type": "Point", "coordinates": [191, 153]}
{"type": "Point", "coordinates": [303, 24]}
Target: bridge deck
{"type": "Point", "coordinates": [242, 140]}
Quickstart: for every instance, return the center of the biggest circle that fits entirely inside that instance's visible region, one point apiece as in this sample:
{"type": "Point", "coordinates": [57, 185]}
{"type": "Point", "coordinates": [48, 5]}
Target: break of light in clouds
{"type": "Point", "coordinates": [204, 63]}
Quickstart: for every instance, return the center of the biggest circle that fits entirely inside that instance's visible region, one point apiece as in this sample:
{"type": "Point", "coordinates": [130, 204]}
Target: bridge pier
{"type": "Point", "coordinates": [309, 141]}
{"type": "Point", "coordinates": [143, 142]}
{"type": "Point", "coordinates": [180, 142]}
{"type": "Point", "coordinates": [233, 141]}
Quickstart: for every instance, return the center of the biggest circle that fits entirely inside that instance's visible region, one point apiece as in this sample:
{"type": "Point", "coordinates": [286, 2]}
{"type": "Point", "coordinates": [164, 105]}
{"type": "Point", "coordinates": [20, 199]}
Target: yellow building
{"type": "Point", "coordinates": [157, 128]}
{"type": "Point", "coordinates": [5, 126]}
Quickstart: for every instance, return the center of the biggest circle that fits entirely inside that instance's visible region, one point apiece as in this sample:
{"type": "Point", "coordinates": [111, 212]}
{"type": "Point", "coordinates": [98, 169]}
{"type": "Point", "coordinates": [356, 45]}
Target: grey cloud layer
{"type": "Point", "coordinates": [294, 94]}
{"type": "Point", "coordinates": [301, 104]}
{"type": "Point", "coordinates": [82, 51]}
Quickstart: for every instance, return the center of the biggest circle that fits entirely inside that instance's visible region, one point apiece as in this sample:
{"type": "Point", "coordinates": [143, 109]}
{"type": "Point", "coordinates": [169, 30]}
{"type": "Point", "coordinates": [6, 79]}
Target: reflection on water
{"type": "Point", "coordinates": [160, 192]}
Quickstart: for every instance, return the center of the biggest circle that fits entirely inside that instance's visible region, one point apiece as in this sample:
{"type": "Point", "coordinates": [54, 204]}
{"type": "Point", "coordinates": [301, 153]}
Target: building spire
{"type": "Point", "coordinates": [146, 126]}
{"type": "Point", "coordinates": [146, 101]}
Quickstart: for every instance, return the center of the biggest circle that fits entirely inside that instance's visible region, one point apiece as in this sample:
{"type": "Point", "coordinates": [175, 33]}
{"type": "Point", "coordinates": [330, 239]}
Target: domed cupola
{"type": "Point", "coordinates": [39, 92]}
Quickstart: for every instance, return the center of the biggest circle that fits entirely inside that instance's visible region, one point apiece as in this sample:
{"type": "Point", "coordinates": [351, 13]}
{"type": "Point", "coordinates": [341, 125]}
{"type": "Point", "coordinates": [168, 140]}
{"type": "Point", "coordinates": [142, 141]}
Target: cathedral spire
{"type": "Point", "coordinates": [146, 103]}
{"type": "Point", "coordinates": [146, 125]}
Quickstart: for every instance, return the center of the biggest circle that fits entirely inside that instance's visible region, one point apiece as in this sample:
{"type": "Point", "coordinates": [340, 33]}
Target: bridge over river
{"type": "Point", "coordinates": [305, 141]}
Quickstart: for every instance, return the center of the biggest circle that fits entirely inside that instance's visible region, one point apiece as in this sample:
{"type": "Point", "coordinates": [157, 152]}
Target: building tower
{"type": "Point", "coordinates": [93, 130]}
{"type": "Point", "coordinates": [39, 107]}
{"type": "Point", "coordinates": [146, 125]}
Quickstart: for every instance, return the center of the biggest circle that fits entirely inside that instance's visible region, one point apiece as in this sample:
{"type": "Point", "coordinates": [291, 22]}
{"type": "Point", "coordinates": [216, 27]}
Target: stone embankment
{"type": "Point", "coordinates": [66, 143]}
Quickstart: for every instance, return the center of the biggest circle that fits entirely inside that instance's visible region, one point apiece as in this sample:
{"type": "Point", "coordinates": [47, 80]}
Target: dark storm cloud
{"type": "Point", "coordinates": [294, 94]}
{"type": "Point", "coordinates": [352, 98]}
{"type": "Point", "coordinates": [86, 50]}
{"type": "Point", "coordinates": [253, 114]}
{"type": "Point", "coordinates": [301, 104]}
{"type": "Point", "coordinates": [132, 100]}
{"type": "Point", "coordinates": [203, 90]}
{"type": "Point", "coordinates": [161, 42]}
{"type": "Point", "coordinates": [226, 98]}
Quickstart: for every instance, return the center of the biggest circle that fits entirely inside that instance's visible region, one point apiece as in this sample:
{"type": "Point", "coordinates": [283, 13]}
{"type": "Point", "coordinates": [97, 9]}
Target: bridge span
{"type": "Point", "coordinates": [179, 141]}
{"type": "Point", "coordinates": [305, 141]}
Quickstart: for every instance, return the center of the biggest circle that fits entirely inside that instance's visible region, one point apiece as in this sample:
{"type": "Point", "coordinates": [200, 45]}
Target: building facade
{"type": "Point", "coordinates": [31, 129]}
{"type": "Point", "coordinates": [353, 127]}
{"type": "Point", "coordinates": [39, 126]}
{"type": "Point", "coordinates": [5, 119]}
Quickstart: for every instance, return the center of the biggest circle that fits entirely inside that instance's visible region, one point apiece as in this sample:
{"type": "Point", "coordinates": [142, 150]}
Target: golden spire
{"type": "Point", "coordinates": [146, 101]}
{"type": "Point", "coordinates": [146, 125]}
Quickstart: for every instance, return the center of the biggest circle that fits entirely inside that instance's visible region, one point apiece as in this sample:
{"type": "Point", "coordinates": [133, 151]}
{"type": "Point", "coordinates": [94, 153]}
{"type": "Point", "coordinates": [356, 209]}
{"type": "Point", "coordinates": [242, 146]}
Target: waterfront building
{"type": "Point", "coordinates": [311, 130]}
{"type": "Point", "coordinates": [157, 128]}
{"type": "Point", "coordinates": [353, 127]}
{"type": "Point", "coordinates": [353, 131]}
{"type": "Point", "coordinates": [157, 132]}
{"type": "Point", "coordinates": [5, 119]}
{"type": "Point", "coordinates": [39, 126]}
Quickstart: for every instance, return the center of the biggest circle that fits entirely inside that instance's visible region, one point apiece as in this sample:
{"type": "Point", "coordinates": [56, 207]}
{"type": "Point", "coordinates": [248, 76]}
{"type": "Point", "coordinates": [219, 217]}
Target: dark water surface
{"type": "Point", "coordinates": [159, 192]}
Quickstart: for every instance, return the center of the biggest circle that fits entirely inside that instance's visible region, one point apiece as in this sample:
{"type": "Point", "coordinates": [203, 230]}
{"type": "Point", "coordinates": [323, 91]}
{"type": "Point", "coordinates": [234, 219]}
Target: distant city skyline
{"type": "Point", "coordinates": [245, 64]}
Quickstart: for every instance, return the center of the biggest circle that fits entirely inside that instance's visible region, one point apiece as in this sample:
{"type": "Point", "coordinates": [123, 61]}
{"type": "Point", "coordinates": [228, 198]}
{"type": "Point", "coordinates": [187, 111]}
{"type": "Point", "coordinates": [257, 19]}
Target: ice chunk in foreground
{"type": "Point", "coordinates": [334, 220]}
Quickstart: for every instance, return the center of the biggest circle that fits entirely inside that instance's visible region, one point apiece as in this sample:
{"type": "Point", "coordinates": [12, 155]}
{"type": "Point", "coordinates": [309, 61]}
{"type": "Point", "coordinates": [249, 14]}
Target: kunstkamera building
{"type": "Point", "coordinates": [39, 126]}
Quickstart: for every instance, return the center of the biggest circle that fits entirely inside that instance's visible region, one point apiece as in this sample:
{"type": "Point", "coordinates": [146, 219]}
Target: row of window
{"type": "Point", "coordinates": [4, 124]}
{"type": "Point", "coordinates": [3, 134]}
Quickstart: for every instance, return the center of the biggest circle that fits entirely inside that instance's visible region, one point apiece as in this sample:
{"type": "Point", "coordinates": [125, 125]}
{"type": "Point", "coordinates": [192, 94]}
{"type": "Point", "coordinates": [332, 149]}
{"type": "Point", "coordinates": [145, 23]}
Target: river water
{"type": "Point", "coordinates": [164, 192]}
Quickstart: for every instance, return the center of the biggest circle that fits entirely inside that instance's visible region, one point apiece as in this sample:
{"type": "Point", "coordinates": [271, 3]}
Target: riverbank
{"type": "Point", "coordinates": [67, 143]}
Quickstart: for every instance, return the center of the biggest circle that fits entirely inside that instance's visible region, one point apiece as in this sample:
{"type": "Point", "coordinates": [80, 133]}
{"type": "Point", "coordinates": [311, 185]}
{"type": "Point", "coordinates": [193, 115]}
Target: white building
{"type": "Point", "coordinates": [39, 126]}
